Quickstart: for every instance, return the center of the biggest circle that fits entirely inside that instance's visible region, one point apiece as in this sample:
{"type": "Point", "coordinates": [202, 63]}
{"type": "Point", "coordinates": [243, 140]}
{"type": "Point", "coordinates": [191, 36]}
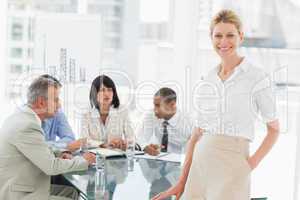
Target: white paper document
{"type": "Point", "coordinates": [108, 152]}
{"type": "Point", "coordinates": [170, 157]}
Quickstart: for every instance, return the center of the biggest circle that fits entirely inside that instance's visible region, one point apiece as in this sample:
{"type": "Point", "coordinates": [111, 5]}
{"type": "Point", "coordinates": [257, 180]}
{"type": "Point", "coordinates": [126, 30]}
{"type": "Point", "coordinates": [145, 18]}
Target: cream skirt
{"type": "Point", "coordinates": [219, 170]}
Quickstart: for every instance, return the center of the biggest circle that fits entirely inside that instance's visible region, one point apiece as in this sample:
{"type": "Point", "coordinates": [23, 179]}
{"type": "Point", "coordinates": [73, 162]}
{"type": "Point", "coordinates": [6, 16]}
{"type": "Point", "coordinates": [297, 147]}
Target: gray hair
{"type": "Point", "coordinates": [39, 88]}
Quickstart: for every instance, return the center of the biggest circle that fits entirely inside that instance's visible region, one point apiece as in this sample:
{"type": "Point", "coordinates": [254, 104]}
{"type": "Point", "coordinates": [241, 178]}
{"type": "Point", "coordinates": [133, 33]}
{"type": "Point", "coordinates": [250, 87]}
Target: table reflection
{"type": "Point", "coordinates": [160, 174]}
{"type": "Point", "coordinates": [127, 180]}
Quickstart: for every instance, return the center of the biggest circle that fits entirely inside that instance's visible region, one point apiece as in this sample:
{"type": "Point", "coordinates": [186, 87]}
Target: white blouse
{"type": "Point", "coordinates": [117, 125]}
{"type": "Point", "coordinates": [231, 107]}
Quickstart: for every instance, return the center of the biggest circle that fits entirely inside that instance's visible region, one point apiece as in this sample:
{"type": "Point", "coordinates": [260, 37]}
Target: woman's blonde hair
{"type": "Point", "coordinates": [226, 16]}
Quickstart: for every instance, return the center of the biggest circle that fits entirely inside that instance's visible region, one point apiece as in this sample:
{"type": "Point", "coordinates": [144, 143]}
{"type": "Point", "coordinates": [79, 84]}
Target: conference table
{"type": "Point", "coordinates": [135, 179]}
{"type": "Point", "coordinates": [124, 179]}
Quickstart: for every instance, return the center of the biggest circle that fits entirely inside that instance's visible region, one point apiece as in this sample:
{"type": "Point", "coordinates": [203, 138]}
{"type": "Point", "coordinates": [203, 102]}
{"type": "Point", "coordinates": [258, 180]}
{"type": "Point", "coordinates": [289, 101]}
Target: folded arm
{"type": "Point", "coordinates": [32, 144]}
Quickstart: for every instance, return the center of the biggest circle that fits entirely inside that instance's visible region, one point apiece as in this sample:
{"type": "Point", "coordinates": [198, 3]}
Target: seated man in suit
{"type": "Point", "coordinates": [26, 162]}
{"type": "Point", "coordinates": [58, 126]}
{"type": "Point", "coordinates": [164, 129]}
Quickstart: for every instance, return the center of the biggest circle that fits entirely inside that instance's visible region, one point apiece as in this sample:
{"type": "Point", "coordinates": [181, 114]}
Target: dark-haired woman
{"type": "Point", "coordinates": [107, 121]}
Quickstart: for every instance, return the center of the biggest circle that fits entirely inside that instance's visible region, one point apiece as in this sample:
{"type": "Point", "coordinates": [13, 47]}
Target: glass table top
{"type": "Point", "coordinates": [126, 180]}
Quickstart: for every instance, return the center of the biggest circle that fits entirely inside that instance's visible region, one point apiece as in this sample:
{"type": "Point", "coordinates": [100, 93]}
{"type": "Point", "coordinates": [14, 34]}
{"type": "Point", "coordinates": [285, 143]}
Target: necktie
{"type": "Point", "coordinates": [164, 140]}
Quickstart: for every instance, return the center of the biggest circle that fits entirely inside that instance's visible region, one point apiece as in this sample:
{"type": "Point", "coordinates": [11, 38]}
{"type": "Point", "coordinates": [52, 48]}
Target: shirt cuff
{"type": "Point", "coordinates": [83, 163]}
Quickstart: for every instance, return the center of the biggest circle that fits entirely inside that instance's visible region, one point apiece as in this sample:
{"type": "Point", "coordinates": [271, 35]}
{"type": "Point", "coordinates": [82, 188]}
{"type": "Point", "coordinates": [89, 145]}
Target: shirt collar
{"type": "Point", "coordinates": [242, 67]}
{"type": "Point", "coordinates": [95, 112]}
{"type": "Point", "coordinates": [173, 121]}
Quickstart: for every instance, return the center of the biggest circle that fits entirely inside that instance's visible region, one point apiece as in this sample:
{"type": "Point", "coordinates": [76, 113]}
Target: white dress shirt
{"type": "Point", "coordinates": [231, 107]}
{"type": "Point", "coordinates": [179, 130]}
{"type": "Point", "coordinates": [117, 125]}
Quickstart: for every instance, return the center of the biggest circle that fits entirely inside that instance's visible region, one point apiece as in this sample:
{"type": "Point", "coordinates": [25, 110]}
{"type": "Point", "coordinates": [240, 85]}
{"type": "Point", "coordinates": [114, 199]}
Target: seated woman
{"type": "Point", "coordinates": [106, 122]}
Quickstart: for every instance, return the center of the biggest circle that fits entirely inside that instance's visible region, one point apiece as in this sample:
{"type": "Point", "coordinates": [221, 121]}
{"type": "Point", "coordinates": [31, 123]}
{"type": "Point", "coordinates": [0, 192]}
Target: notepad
{"type": "Point", "coordinates": [108, 152]}
{"type": "Point", "coordinates": [169, 157]}
{"type": "Point", "coordinates": [172, 157]}
{"type": "Point", "coordinates": [147, 156]}
{"type": "Point", "coordinates": [112, 152]}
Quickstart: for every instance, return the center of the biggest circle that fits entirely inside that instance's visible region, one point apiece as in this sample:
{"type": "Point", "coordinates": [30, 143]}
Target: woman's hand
{"type": "Point", "coordinates": [117, 143]}
{"type": "Point", "coordinates": [267, 144]}
{"type": "Point", "coordinates": [253, 162]}
{"type": "Point", "coordinates": [176, 190]}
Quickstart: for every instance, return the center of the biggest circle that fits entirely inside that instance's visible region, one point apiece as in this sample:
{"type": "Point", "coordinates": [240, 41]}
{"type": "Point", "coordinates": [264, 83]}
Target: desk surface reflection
{"type": "Point", "coordinates": [139, 179]}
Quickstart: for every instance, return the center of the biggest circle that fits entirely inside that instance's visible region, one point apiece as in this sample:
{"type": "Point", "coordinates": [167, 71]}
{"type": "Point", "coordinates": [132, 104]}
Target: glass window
{"type": "Point", "coordinates": [17, 31]}
{"type": "Point", "coordinates": [113, 26]}
{"type": "Point", "coordinates": [16, 52]}
{"type": "Point", "coordinates": [16, 68]}
{"type": "Point", "coordinates": [27, 68]}
{"type": "Point", "coordinates": [116, 11]}
{"type": "Point", "coordinates": [14, 5]}
{"type": "Point", "coordinates": [112, 43]}
{"type": "Point", "coordinates": [30, 30]}
{"type": "Point", "coordinates": [29, 53]}
{"type": "Point", "coordinates": [154, 31]}
{"type": "Point", "coordinates": [62, 6]}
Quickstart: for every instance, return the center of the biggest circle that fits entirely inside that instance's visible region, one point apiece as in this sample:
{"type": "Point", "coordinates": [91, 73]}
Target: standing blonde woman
{"type": "Point", "coordinates": [218, 164]}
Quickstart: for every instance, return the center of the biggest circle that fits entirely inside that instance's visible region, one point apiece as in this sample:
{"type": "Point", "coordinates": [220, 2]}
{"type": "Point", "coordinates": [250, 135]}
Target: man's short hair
{"type": "Point", "coordinates": [167, 94]}
{"type": "Point", "coordinates": [51, 78]}
{"type": "Point", "coordinates": [39, 87]}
